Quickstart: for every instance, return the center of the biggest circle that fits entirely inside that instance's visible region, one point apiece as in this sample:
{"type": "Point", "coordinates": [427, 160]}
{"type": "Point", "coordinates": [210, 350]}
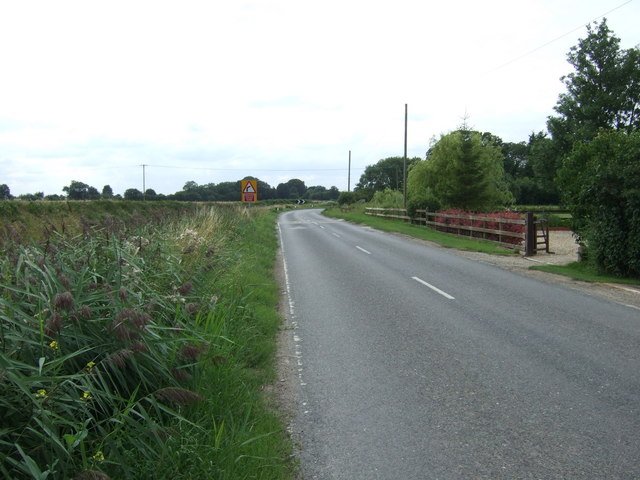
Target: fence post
{"type": "Point", "coordinates": [530, 235]}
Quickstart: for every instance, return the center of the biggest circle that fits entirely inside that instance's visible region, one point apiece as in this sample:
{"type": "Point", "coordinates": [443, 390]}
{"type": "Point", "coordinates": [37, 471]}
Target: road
{"type": "Point", "coordinates": [414, 363]}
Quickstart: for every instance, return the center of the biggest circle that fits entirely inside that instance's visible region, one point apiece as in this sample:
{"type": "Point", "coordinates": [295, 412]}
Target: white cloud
{"type": "Point", "coordinates": [221, 89]}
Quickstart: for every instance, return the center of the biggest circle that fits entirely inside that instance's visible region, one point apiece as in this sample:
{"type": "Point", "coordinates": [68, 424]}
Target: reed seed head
{"type": "Point", "coordinates": [63, 301]}
{"type": "Point", "coordinates": [53, 325]}
{"type": "Point", "coordinates": [179, 396]}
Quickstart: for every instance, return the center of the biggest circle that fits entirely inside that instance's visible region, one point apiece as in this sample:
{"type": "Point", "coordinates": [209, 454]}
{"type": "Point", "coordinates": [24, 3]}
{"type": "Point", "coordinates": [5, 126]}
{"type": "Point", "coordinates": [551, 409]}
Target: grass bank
{"type": "Point", "coordinates": [136, 343]}
{"type": "Point", "coordinates": [584, 272]}
{"type": "Point", "coordinates": [356, 214]}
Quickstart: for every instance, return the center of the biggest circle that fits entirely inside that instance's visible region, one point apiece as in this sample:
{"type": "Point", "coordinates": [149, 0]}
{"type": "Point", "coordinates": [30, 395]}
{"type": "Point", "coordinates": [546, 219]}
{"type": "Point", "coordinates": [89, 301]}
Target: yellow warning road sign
{"type": "Point", "coordinates": [249, 191]}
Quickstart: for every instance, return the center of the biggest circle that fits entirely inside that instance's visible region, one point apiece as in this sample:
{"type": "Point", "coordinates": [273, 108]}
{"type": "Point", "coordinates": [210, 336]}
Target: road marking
{"type": "Point", "coordinates": [335, 235]}
{"type": "Point", "coordinates": [287, 283]}
{"type": "Point", "coordinates": [363, 250]}
{"type": "Point", "coordinates": [435, 289]}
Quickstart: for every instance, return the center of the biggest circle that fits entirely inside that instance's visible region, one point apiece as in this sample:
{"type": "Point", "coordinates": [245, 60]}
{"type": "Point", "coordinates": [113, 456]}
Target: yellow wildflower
{"type": "Point", "coordinates": [98, 456]}
{"type": "Point", "coordinates": [54, 345]}
{"type": "Point", "coordinates": [90, 366]}
{"type": "Point", "coordinates": [87, 396]}
{"type": "Point", "coordinates": [41, 393]}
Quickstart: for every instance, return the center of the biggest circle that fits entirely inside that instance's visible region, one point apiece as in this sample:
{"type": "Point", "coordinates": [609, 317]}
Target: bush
{"type": "Point", "coordinates": [388, 198]}
{"type": "Point", "coordinates": [600, 182]}
{"type": "Point", "coordinates": [346, 198]}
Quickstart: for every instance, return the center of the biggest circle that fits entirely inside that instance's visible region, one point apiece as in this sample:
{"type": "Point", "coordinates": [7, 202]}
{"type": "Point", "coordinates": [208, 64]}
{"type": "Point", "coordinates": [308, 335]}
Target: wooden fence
{"type": "Point", "coordinates": [532, 235]}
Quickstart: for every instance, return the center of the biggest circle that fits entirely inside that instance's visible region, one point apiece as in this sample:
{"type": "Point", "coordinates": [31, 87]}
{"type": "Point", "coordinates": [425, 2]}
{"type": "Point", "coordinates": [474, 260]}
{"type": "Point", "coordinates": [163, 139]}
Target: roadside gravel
{"type": "Point", "coordinates": [563, 250]}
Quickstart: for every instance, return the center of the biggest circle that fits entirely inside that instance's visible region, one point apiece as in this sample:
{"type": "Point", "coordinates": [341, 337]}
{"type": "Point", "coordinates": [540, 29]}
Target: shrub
{"type": "Point", "coordinates": [388, 198]}
{"type": "Point", "coordinates": [346, 198]}
{"type": "Point", "coordinates": [600, 182]}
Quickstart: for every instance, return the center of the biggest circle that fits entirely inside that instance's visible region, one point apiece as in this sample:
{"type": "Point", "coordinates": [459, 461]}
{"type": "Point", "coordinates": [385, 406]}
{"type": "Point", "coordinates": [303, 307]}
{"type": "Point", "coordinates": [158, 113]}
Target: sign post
{"type": "Point", "coordinates": [249, 191]}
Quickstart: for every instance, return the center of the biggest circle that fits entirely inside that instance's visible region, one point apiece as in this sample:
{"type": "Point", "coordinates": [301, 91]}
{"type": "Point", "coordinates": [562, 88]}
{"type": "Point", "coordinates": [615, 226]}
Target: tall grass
{"type": "Point", "coordinates": [137, 350]}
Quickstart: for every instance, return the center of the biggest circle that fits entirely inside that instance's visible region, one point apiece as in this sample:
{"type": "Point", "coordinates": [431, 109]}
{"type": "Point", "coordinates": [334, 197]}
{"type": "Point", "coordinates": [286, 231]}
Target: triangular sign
{"type": "Point", "coordinates": [249, 188]}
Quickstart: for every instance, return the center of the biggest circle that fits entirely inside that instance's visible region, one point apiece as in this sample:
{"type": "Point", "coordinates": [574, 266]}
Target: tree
{"type": "Point", "coordinates": [602, 92]}
{"type": "Point", "coordinates": [150, 194]}
{"type": "Point", "coordinates": [81, 191]}
{"type": "Point", "coordinates": [386, 173]}
{"type": "Point", "coordinates": [133, 194]}
{"type": "Point", "coordinates": [5, 193]}
{"type": "Point", "coordinates": [544, 159]}
{"type": "Point", "coordinates": [31, 197]}
{"type": "Point", "coordinates": [294, 188]}
{"type": "Point", "coordinates": [461, 171]}
{"type": "Point", "coordinates": [107, 192]}
{"type": "Point", "coordinates": [600, 183]}
{"type": "Point", "coordinates": [190, 185]}
{"type": "Point", "coordinates": [230, 191]}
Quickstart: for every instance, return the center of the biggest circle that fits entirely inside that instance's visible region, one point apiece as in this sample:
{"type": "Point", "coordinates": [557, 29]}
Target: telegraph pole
{"type": "Point", "coordinates": [349, 175]}
{"type": "Point", "coordinates": [404, 169]}
{"type": "Point", "coordinates": [144, 187]}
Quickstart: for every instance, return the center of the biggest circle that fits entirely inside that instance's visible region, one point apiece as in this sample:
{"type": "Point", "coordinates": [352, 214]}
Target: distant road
{"type": "Point", "coordinates": [413, 363]}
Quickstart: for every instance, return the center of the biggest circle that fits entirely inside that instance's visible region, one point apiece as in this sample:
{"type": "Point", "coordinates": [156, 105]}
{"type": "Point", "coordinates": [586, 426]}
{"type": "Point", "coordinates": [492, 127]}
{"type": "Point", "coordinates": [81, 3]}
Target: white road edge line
{"type": "Point", "coordinates": [292, 314]}
{"type": "Point", "coordinates": [363, 250]}
{"type": "Point", "coordinates": [435, 289]}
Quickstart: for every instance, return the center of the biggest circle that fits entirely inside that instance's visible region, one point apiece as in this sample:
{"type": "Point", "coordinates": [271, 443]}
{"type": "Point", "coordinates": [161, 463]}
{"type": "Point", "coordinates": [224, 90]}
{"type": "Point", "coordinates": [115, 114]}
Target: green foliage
{"type": "Point", "coordinates": [584, 272]}
{"type": "Point", "coordinates": [388, 198]}
{"type": "Point", "coordinates": [602, 92]}
{"type": "Point", "coordinates": [419, 195]}
{"type": "Point", "coordinates": [294, 188]}
{"type": "Point", "coordinates": [138, 349]}
{"type": "Point", "coordinates": [81, 191]}
{"type": "Point", "coordinates": [346, 198]}
{"type": "Point", "coordinates": [5, 192]}
{"type": "Point", "coordinates": [462, 171]}
{"type": "Point", "coordinates": [319, 192]}
{"type": "Point", "coordinates": [386, 173]}
{"type": "Point", "coordinates": [600, 182]}
{"type": "Point", "coordinates": [107, 192]}
{"type": "Point", "coordinates": [133, 194]}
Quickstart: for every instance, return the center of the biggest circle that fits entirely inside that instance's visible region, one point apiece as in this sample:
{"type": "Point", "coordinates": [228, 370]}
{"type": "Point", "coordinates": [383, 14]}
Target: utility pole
{"type": "Point", "coordinates": [349, 174]}
{"type": "Point", "coordinates": [144, 187]}
{"type": "Point", "coordinates": [404, 169]}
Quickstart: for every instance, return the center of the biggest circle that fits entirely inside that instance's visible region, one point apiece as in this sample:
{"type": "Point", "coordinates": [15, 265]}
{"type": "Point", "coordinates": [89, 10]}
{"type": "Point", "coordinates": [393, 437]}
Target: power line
{"type": "Point", "coordinates": [556, 39]}
{"type": "Point", "coordinates": [182, 167]}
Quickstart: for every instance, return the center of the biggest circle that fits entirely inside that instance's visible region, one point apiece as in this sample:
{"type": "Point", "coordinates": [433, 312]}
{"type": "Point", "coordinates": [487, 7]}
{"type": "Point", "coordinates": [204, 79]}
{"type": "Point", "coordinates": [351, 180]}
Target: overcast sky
{"type": "Point", "coordinates": [215, 90]}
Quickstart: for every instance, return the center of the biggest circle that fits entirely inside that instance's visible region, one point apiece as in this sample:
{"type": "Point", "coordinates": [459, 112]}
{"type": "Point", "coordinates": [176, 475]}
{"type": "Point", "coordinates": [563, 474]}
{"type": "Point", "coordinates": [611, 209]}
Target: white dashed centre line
{"type": "Point", "coordinates": [363, 250]}
{"type": "Point", "coordinates": [435, 289]}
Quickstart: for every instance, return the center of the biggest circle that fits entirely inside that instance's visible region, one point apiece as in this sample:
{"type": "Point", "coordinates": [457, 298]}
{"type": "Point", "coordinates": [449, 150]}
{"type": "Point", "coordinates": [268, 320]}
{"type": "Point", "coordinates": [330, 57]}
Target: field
{"type": "Point", "coordinates": [135, 342]}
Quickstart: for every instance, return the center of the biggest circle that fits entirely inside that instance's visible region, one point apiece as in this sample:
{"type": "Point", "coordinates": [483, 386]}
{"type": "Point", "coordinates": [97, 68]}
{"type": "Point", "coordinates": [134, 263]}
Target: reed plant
{"type": "Point", "coordinates": [132, 350]}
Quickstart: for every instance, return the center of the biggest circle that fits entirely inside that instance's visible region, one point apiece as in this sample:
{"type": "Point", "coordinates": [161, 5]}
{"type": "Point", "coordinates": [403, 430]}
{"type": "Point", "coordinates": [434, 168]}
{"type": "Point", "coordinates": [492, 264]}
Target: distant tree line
{"type": "Point", "coordinates": [191, 192]}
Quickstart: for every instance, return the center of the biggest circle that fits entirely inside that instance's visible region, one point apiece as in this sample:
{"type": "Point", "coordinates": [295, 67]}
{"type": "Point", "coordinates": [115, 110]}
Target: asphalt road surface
{"type": "Point", "coordinates": [413, 363]}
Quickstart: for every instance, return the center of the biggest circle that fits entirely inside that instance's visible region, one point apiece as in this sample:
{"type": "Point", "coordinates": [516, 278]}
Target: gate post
{"type": "Point", "coordinates": [530, 235]}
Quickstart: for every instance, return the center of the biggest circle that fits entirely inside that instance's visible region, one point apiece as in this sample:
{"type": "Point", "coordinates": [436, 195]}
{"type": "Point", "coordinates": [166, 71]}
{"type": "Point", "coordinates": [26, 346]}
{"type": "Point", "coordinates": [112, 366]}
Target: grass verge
{"type": "Point", "coordinates": [584, 272]}
{"type": "Point", "coordinates": [446, 240]}
{"type": "Point", "coordinates": [138, 349]}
